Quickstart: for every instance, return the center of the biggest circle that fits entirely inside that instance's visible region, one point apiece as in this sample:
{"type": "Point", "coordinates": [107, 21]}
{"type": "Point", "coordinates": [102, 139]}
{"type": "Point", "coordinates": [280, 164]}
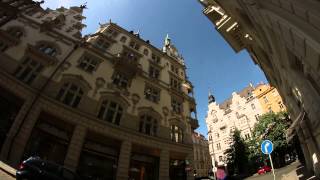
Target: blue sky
{"type": "Point", "coordinates": [211, 63]}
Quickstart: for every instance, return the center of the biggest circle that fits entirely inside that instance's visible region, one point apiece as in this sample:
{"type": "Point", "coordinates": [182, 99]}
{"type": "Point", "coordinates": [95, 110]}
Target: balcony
{"type": "Point", "coordinates": [130, 67]}
{"type": "Point", "coordinates": [193, 122]}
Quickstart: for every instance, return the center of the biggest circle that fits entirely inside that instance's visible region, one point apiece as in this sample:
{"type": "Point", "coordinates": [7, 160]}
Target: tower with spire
{"type": "Point", "coordinates": [171, 50]}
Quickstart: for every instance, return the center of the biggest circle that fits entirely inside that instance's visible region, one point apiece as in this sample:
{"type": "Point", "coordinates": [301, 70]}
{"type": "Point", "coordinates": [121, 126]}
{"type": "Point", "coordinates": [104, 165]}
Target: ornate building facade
{"type": "Point", "coordinates": [269, 98]}
{"type": "Point", "coordinates": [109, 105]}
{"type": "Point", "coordinates": [202, 160]}
{"type": "Point", "coordinates": [241, 111]}
{"type": "Point", "coordinates": [282, 37]}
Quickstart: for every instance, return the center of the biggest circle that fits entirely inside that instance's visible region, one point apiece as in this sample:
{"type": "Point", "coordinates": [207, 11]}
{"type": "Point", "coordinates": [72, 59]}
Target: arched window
{"type": "Point", "coordinates": [70, 94]}
{"type": "Point", "coordinates": [146, 52]}
{"type": "Point", "coordinates": [15, 32]}
{"type": "Point", "coordinates": [176, 134]}
{"type": "Point", "coordinates": [148, 125]}
{"type": "Point", "coordinates": [47, 49]}
{"type": "Point", "coordinates": [123, 39]}
{"type": "Point", "coordinates": [111, 112]}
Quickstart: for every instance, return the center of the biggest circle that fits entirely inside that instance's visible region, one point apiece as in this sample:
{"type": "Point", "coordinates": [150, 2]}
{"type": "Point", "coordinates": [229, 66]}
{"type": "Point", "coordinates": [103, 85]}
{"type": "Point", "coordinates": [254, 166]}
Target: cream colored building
{"type": "Point", "coordinates": [109, 106]}
{"type": "Point", "coordinates": [241, 111]}
{"type": "Point", "coordinates": [282, 37]}
{"type": "Point", "coordinates": [202, 160]}
{"type": "Point", "coordinates": [269, 98]}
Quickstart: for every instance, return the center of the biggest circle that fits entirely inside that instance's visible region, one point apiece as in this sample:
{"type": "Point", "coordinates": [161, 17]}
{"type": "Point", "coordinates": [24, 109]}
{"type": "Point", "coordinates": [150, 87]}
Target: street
{"type": "Point", "coordinates": [285, 173]}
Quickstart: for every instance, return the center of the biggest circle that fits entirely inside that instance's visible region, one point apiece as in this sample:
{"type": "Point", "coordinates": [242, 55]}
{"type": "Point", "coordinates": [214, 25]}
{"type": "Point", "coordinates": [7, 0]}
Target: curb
{"type": "Point", "coordinates": [8, 169]}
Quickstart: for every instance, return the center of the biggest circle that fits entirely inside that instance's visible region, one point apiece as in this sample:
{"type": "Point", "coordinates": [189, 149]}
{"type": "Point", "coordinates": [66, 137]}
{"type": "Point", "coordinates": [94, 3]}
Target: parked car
{"type": "Point", "coordinates": [264, 169]}
{"type": "Point", "coordinates": [35, 168]}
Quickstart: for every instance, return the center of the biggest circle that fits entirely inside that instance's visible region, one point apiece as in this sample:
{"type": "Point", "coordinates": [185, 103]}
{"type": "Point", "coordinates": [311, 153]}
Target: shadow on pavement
{"type": "Point", "coordinates": [304, 174]}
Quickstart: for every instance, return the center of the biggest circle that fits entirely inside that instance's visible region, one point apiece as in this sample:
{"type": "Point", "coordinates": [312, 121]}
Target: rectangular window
{"type": "Point", "coordinates": [154, 72]}
{"type": "Point", "coordinates": [175, 84]}
{"type": "Point", "coordinates": [155, 58]}
{"type": "Point", "coordinates": [134, 45]}
{"type": "Point", "coordinates": [88, 64]}
{"type": "Point", "coordinates": [257, 117]}
{"type": "Point", "coordinates": [120, 80]}
{"type": "Point", "coordinates": [28, 70]}
{"type": "Point", "coordinates": [112, 33]}
{"type": "Point", "coordinates": [253, 106]}
{"type": "Point", "coordinates": [176, 105]}
{"type": "Point", "coordinates": [102, 44]}
{"type": "Point", "coordinates": [265, 99]}
{"type": "Point", "coordinates": [218, 146]}
{"type": "Point", "coordinates": [174, 69]}
{"type": "Point", "coordinates": [152, 94]}
{"type": "Point", "coordinates": [220, 158]}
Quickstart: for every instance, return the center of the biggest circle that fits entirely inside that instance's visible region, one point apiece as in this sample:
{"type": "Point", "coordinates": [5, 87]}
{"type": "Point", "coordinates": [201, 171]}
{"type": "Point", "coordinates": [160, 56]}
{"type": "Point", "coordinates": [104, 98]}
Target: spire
{"type": "Point", "coordinates": [211, 98]}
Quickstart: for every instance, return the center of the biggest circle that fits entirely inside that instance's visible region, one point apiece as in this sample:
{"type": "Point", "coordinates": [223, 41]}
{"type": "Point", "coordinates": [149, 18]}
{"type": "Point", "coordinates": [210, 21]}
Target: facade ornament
{"type": "Point", "coordinates": [135, 99]}
{"type": "Point", "coordinates": [100, 82]}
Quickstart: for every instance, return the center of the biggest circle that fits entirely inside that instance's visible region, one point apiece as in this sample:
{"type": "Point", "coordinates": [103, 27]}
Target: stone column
{"type": "Point", "coordinates": [124, 161]}
{"type": "Point", "coordinates": [21, 140]}
{"type": "Point", "coordinates": [164, 165]}
{"type": "Point", "coordinates": [305, 150]}
{"type": "Point", "coordinates": [75, 147]}
{"type": "Point", "coordinates": [312, 147]}
{"type": "Point", "coordinates": [22, 112]}
{"type": "Point", "coordinates": [191, 162]}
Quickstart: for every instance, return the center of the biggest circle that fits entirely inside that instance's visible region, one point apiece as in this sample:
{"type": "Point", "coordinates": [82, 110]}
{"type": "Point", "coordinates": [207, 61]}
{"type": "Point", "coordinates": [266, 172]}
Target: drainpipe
{"type": "Point", "coordinates": [38, 96]}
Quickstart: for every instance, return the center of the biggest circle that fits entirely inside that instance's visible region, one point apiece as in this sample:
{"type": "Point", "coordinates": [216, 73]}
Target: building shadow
{"type": "Point", "coordinates": [304, 174]}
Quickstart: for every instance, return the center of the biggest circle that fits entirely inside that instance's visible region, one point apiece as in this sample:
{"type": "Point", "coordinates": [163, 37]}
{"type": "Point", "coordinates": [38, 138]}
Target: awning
{"type": "Point", "coordinates": [291, 130]}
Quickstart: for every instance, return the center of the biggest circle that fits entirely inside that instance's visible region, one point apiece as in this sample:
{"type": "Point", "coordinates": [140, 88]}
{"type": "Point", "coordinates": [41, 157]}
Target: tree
{"type": "Point", "coordinates": [237, 155]}
{"type": "Point", "coordinates": [271, 126]}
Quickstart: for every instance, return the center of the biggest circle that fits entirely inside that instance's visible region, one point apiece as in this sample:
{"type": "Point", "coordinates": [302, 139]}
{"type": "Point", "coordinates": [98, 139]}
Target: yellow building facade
{"type": "Point", "coordinates": [269, 98]}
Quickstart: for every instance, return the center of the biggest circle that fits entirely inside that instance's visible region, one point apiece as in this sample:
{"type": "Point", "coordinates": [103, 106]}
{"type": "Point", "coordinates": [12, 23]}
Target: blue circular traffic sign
{"type": "Point", "coordinates": [266, 147]}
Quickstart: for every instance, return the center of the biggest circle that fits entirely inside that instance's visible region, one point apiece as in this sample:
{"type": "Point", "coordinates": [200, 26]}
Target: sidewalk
{"type": "Point", "coordinates": [300, 173]}
{"type": "Point", "coordinates": [7, 169]}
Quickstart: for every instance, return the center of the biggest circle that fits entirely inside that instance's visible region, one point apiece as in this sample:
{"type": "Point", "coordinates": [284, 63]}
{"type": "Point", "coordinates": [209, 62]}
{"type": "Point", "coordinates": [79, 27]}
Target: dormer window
{"type": "Point", "coordinates": [47, 49]}
{"type": "Point", "coordinates": [134, 45]}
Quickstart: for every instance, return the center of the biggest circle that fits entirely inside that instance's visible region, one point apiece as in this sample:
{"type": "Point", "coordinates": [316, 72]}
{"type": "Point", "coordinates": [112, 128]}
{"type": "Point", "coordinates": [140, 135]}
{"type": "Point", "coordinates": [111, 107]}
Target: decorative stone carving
{"type": "Point", "coordinates": [100, 82]}
{"type": "Point", "coordinates": [135, 99]}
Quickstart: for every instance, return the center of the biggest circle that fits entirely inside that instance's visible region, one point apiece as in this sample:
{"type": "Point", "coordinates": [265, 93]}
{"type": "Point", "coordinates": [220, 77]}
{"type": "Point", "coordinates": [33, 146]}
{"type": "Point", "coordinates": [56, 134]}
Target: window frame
{"type": "Point", "coordinates": [106, 108]}
{"type": "Point", "coordinates": [85, 65]}
{"type": "Point", "coordinates": [148, 125]}
{"type": "Point", "coordinates": [176, 133]}
{"type": "Point", "coordinates": [66, 93]}
{"type": "Point", "coordinates": [34, 66]}
{"type": "Point", "coordinates": [176, 105]}
{"type": "Point", "coordinates": [154, 95]}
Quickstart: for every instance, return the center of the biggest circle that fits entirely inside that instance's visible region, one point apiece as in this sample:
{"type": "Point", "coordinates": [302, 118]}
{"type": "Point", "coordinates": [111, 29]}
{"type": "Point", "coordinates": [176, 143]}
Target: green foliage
{"type": "Point", "coordinates": [237, 154]}
{"type": "Point", "coordinates": [271, 126]}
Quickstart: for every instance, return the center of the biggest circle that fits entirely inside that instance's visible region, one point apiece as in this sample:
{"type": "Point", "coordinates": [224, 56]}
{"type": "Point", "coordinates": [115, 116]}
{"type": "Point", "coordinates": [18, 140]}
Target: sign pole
{"type": "Point", "coordinates": [274, 176]}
